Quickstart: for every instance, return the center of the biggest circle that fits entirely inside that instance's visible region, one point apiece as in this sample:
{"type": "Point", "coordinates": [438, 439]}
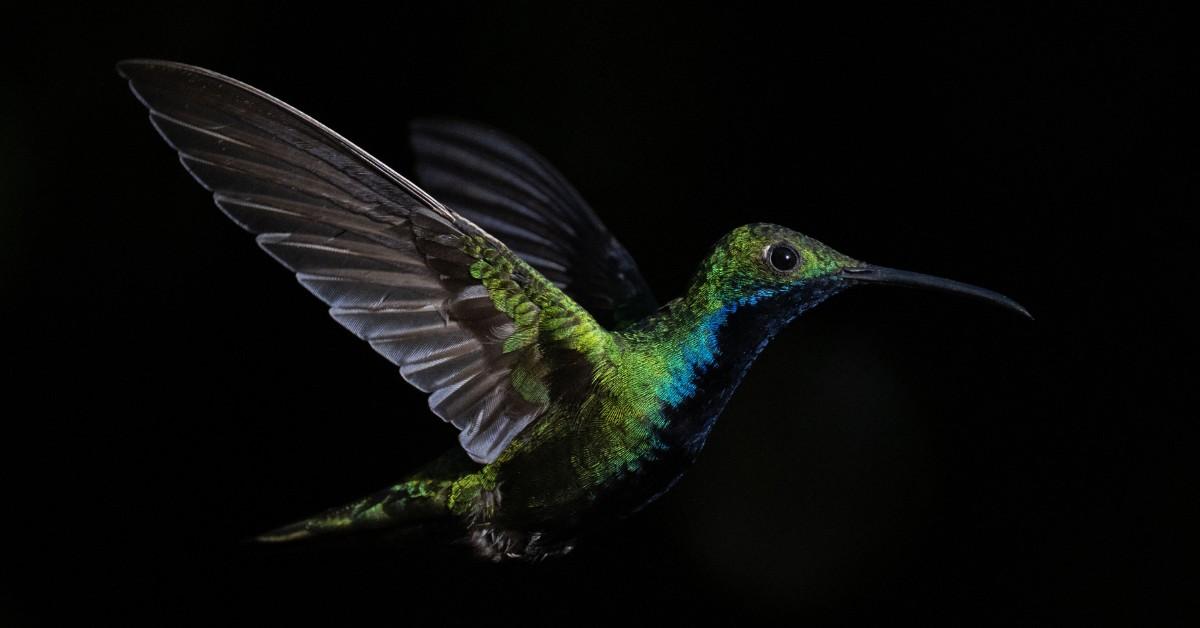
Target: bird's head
{"type": "Point", "coordinates": [765, 263]}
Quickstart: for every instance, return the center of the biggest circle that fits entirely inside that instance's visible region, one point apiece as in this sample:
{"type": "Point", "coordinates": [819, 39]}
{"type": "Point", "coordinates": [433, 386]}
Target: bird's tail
{"type": "Point", "coordinates": [411, 502]}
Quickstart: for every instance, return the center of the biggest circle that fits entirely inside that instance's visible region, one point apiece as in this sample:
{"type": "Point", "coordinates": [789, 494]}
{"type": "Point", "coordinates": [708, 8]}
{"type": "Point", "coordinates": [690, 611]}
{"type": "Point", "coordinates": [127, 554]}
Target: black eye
{"type": "Point", "coordinates": [783, 257]}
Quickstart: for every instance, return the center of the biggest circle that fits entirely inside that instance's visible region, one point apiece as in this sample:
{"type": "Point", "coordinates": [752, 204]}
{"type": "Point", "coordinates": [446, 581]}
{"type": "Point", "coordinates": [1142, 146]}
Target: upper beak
{"type": "Point", "coordinates": [890, 276]}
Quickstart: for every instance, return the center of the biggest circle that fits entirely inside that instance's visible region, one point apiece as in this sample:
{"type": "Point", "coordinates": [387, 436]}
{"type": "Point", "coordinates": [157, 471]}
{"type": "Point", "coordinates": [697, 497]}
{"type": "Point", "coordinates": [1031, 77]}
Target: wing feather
{"type": "Point", "coordinates": [508, 189]}
{"type": "Point", "coordinates": [429, 290]}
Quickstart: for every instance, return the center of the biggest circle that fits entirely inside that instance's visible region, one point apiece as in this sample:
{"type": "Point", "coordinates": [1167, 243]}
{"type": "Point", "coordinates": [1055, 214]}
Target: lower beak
{"type": "Point", "coordinates": [892, 277]}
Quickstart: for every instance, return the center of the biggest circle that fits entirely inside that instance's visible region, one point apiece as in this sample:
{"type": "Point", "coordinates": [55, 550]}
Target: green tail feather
{"type": "Point", "coordinates": [410, 502]}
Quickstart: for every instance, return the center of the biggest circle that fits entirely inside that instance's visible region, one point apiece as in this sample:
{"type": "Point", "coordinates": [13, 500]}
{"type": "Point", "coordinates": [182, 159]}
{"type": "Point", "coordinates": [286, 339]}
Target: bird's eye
{"type": "Point", "coordinates": [783, 258]}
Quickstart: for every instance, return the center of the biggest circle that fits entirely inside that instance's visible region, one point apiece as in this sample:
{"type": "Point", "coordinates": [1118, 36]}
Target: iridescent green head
{"type": "Point", "coordinates": [757, 261]}
{"type": "Point", "coordinates": [762, 261]}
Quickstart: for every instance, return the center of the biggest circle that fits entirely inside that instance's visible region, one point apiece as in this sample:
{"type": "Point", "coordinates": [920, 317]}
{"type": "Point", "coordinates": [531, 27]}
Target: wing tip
{"type": "Point", "coordinates": [124, 66]}
{"type": "Point", "coordinates": [129, 69]}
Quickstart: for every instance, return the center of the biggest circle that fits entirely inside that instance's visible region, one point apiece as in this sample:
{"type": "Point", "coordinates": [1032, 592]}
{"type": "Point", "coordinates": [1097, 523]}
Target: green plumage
{"type": "Point", "coordinates": [569, 415]}
{"type": "Point", "coordinates": [612, 418]}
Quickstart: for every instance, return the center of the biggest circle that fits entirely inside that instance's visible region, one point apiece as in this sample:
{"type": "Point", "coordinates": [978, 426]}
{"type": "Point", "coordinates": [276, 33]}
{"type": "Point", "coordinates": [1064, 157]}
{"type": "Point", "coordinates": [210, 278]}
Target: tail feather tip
{"type": "Point", "coordinates": [285, 534]}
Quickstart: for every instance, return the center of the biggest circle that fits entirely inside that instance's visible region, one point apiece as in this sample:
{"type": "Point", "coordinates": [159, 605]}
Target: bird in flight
{"type": "Point", "coordinates": [577, 399]}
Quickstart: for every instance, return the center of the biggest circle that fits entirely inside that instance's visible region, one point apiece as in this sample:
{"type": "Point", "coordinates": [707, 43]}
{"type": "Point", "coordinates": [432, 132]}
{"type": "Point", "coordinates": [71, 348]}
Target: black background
{"type": "Point", "coordinates": [894, 456]}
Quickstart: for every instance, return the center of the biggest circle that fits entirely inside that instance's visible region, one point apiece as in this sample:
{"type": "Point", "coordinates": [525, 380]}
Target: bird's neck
{"type": "Point", "coordinates": [705, 344]}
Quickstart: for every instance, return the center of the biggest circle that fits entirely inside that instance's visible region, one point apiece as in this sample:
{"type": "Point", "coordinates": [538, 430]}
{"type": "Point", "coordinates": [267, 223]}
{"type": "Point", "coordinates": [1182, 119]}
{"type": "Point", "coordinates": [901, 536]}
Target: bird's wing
{"type": "Point", "coordinates": [508, 189]}
{"type": "Point", "coordinates": [462, 316]}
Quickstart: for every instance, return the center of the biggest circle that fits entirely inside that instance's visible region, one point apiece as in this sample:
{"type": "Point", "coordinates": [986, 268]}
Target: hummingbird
{"type": "Point", "coordinates": [498, 291]}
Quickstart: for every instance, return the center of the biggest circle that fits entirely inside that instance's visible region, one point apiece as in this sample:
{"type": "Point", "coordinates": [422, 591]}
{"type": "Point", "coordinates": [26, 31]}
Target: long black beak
{"type": "Point", "coordinates": [893, 277]}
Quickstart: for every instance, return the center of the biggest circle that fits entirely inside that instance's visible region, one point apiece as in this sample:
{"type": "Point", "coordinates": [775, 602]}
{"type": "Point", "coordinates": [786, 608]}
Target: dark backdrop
{"type": "Point", "coordinates": [894, 457]}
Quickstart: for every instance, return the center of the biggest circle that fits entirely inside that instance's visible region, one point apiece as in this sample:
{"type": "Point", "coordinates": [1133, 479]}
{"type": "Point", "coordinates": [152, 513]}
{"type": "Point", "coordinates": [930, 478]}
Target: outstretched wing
{"type": "Point", "coordinates": [508, 189]}
{"type": "Point", "coordinates": [458, 312]}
